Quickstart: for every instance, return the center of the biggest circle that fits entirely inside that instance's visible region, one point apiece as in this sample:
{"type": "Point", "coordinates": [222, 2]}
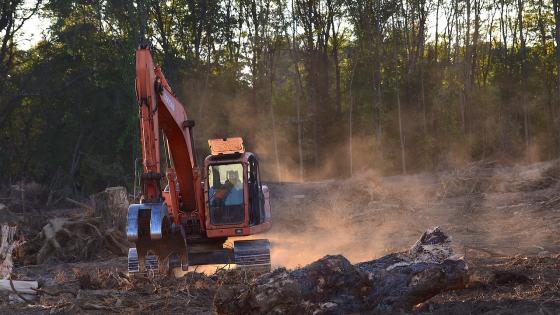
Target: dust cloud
{"type": "Point", "coordinates": [484, 207]}
{"type": "Point", "coordinates": [358, 218]}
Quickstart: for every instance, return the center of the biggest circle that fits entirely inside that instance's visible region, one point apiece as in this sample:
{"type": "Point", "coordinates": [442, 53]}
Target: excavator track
{"type": "Point", "coordinates": [252, 254]}
{"type": "Point", "coordinates": [246, 254]}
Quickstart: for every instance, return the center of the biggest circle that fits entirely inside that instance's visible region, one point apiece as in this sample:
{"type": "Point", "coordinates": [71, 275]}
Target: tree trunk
{"type": "Point", "coordinates": [273, 119]}
{"type": "Point", "coordinates": [476, 35]}
{"type": "Point", "coordinates": [335, 47]}
{"type": "Point", "coordinates": [350, 122]}
{"type": "Point", "coordinates": [401, 133]}
{"type": "Point", "coordinates": [298, 95]}
{"type": "Point", "coordinates": [299, 123]}
{"type": "Point", "coordinates": [8, 245]}
{"type": "Point", "coordinates": [436, 34]}
{"type": "Point", "coordinates": [421, 44]}
{"type": "Point", "coordinates": [503, 27]}
{"type": "Point", "coordinates": [556, 6]}
{"type": "Point", "coordinates": [523, 53]}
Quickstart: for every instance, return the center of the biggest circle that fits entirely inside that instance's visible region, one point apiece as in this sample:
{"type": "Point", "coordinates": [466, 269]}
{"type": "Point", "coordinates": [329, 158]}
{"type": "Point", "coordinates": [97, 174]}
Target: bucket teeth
{"type": "Point", "coordinates": [133, 263]}
{"type": "Point", "coordinates": [151, 262]}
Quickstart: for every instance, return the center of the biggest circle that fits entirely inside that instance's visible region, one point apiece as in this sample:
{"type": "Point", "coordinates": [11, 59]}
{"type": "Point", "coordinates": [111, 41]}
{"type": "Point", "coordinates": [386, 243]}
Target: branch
{"type": "Point", "coordinates": [26, 18]}
{"type": "Point", "coordinates": [17, 293]}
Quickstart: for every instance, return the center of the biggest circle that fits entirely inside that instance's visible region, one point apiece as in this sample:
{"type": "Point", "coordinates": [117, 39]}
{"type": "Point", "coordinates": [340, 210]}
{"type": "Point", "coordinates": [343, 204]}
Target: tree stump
{"type": "Point", "coordinates": [332, 285]}
{"type": "Point", "coordinates": [112, 205]}
{"type": "Point", "coordinates": [8, 245]}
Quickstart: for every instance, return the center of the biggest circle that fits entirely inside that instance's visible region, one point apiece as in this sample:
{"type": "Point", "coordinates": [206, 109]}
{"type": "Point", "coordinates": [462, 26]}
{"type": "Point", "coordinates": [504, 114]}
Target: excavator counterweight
{"type": "Point", "coordinates": [187, 222]}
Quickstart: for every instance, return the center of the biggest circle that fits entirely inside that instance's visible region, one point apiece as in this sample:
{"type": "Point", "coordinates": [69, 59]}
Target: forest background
{"type": "Point", "coordinates": [318, 88]}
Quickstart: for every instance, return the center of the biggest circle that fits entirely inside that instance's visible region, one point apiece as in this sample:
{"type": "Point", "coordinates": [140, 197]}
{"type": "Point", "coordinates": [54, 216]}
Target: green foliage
{"type": "Point", "coordinates": [68, 103]}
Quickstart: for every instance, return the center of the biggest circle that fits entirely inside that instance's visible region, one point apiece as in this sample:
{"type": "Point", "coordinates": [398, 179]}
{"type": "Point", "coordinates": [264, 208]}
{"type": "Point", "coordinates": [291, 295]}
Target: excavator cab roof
{"type": "Point", "coordinates": [226, 146]}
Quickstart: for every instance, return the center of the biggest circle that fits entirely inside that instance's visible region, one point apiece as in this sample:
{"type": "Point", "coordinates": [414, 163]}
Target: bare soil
{"type": "Point", "coordinates": [505, 221]}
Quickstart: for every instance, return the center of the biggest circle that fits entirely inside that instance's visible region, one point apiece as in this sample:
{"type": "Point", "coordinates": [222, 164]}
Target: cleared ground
{"type": "Point", "coordinates": [505, 221]}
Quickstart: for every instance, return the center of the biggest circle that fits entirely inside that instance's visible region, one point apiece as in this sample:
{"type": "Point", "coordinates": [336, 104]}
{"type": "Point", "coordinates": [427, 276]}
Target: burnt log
{"type": "Point", "coordinates": [402, 280]}
{"type": "Point", "coordinates": [332, 285]}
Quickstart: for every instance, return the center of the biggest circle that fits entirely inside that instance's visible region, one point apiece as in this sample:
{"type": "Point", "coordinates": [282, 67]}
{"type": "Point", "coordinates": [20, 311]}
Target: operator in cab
{"type": "Point", "coordinates": [235, 188]}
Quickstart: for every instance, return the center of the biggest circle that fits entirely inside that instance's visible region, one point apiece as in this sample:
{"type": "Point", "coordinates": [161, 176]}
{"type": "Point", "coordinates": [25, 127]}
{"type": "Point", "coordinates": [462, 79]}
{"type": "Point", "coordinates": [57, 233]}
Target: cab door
{"type": "Point", "coordinates": [256, 196]}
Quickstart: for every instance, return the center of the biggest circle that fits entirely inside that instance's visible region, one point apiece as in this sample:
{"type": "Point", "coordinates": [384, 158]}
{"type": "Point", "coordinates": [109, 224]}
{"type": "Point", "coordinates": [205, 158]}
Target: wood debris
{"type": "Point", "coordinates": [332, 285]}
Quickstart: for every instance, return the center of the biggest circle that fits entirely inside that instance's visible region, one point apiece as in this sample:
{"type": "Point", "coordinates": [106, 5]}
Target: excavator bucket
{"type": "Point", "coordinates": [157, 246]}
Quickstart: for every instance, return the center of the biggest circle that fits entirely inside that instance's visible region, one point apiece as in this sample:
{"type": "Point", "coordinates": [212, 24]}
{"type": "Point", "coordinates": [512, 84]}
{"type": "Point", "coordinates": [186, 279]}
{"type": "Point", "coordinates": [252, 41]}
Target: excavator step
{"type": "Point", "coordinates": [253, 254]}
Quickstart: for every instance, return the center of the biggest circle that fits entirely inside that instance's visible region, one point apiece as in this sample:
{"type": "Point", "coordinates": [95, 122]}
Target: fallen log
{"type": "Point", "coordinates": [391, 284]}
{"type": "Point", "coordinates": [402, 280]}
{"type": "Point", "coordinates": [25, 287]}
{"type": "Point", "coordinates": [20, 291]}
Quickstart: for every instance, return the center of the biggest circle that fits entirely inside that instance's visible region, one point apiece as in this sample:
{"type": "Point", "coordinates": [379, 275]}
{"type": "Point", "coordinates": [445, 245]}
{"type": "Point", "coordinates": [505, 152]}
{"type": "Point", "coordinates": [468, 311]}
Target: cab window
{"type": "Point", "coordinates": [225, 193]}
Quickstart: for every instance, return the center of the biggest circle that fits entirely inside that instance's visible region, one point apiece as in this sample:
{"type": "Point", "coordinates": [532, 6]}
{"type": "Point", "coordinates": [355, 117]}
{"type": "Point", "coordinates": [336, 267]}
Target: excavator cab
{"type": "Point", "coordinates": [237, 203]}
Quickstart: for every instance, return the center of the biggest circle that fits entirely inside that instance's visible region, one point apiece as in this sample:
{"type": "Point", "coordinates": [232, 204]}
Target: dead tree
{"type": "Point", "coordinates": [8, 245]}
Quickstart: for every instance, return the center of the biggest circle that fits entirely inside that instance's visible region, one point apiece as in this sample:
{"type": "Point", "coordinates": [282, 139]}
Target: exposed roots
{"type": "Point", "coordinates": [73, 239]}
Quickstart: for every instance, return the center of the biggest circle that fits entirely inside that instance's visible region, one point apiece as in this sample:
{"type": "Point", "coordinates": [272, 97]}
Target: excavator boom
{"type": "Point", "coordinates": [163, 110]}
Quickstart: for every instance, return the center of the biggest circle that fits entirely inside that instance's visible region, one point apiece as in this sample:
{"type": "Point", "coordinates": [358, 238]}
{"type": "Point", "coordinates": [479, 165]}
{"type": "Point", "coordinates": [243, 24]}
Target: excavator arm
{"type": "Point", "coordinates": [159, 108]}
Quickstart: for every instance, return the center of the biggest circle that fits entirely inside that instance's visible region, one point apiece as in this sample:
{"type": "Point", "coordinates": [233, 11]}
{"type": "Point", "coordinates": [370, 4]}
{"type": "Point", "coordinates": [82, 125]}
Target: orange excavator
{"type": "Point", "coordinates": [189, 221]}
